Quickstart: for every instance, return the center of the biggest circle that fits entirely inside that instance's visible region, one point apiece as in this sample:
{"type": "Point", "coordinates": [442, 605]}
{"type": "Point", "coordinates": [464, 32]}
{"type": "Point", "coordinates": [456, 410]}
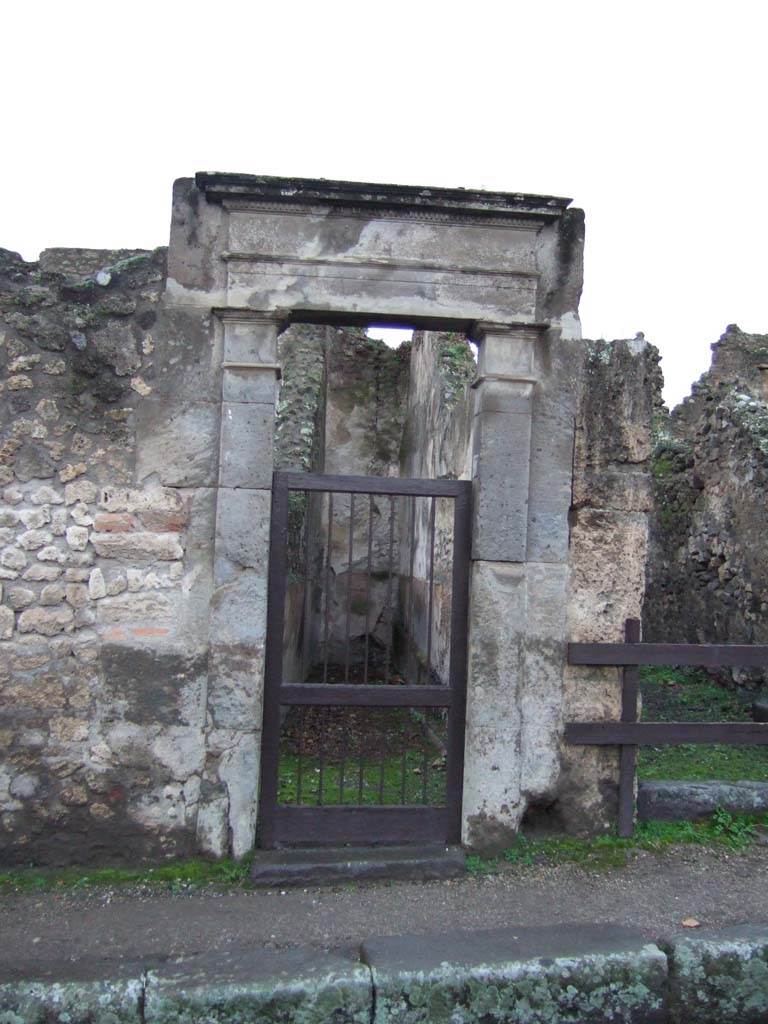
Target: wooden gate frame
{"type": "Point", "coordinates": [285, 825]}
{"type": "Point", "coordinates": [629, 733]}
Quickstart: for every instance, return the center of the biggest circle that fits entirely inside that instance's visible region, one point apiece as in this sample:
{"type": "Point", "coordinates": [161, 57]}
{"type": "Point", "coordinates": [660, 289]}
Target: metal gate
{"type": "Point", "coordinates": [366, 652]}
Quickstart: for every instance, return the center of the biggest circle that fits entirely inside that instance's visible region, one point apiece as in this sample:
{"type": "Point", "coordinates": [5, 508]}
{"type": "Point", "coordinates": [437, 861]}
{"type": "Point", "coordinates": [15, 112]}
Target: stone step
{"type": "Point", "coordinates": [310, 866]}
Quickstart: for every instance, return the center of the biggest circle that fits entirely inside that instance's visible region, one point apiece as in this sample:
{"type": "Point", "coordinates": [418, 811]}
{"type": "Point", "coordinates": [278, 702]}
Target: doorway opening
{"type": "Point", "coordinates": [368, 597]}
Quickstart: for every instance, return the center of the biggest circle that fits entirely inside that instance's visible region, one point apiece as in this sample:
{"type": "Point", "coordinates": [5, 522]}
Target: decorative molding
{"type": "Point", "coordinates": [306, 190]}
{"type": "Point", "coordinates": [506, 378]}
{"type": "Point", "coordinates": [242, 314]}
{"type": "Point", "coordinates": [410, 214]}
{"type": "Point", "coordinates": [480, 328]}
{"type": "Point", "coordinates": [371, 264]}
{"type": "Point", "coordinates": [253, 366]}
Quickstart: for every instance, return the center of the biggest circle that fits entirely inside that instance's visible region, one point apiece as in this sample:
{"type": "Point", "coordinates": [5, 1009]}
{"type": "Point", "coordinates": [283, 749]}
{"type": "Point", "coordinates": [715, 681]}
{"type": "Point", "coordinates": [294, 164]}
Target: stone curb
{"type": "Point", "coordinates": [577, 974]}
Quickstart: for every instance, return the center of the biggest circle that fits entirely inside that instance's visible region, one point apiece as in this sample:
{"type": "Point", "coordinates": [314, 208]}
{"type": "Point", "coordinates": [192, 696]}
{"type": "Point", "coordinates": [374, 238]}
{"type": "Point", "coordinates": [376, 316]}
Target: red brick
{"type": "Point", "coordinates": [114, 522]}
{"type": "Point", "coordinates": [165, 522]}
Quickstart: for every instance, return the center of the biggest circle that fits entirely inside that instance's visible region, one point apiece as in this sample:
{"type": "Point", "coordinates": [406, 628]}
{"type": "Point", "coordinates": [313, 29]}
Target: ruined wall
{"type": "Point", "coordinates": [594, 404]}
{"type": "Point", "coordinates": [708, 575]}
{"type": "Point", "coordinates": [299, 445]}
{"type": "Point", "coordinates": [435, 445]}
{"type": "Point", "coordinates": [582, 576]}
{"type": "Point", "coordinates": [138, 413]}
{"type": "Point", "coordinates": [618, 397]}
{"type": "Point", "coordinates": [103, 629]}
{"type": "Point", "coordinates": [366, 390]}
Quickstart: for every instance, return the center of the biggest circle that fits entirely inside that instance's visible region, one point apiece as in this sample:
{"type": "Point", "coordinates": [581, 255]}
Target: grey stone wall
{"type": "Point", "coordinates": [140, 423]}
{"type": "Point", "coordinates": [618, 395]}
{"type": "Point", "coordinates": [587, 533]}
{"type": "Point", "coordinates": [708, 575]}
{"type": "Point", "coordinates": [582, 576]}
{"type": "Point", "coordinates": [105, 560]}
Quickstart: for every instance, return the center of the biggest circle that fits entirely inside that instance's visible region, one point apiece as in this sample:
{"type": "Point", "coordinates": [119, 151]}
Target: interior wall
{"type": "Point", "coordinates": [436, 445]}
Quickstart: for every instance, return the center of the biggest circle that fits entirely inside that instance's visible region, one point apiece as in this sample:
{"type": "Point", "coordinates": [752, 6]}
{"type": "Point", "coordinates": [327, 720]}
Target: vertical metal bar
{"type": "Point", "coordinates": [424, 774]}
{"type": "Point", "coordinates": [381, 777]}
{"type": "Point", "coordinates": [388, 654]}
{"type": "Point", "coordinates": [300, 765]}
{"type": "Point", "coordinates": [368, 586]}
{"type": "Point", "coordinates": [307, 613]}
{"type": "Point", "coordinates": [628, 752]}
{"type": "Point", "coordinates": [321, 755]}
{"type": "Point", "coordinates": [431, 586]}
{"type": "Point", "coordinates": [350, 554]}
{"type": "Point", "coordinates": [410, 651]}
{"type": "Point", "coordinates": [338, 712]}
{"type": "Point", "coordinates": [273, 666]}
{"type": "Point", "coordinates": [454, 767]}
{"type": "Point", "coordinates": [327, 586]}
{"type": "Point", "coordinates": [360, 770]}
{"type": "Point", "coordinates": [403, 766]}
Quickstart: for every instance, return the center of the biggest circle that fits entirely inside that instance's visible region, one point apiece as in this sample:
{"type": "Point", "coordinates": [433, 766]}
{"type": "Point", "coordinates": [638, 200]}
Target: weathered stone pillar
{"type": "Point", "coordinates": [501, 459]}
{"type": "Point", "coordinates": [229, 799]}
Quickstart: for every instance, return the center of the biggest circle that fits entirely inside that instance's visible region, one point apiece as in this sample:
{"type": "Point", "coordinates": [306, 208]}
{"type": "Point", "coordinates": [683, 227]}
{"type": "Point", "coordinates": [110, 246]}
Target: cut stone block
{"type": "Point", "coordinates": [107, 993]}
{"type": "Point", "coordinates": [246, 445]}
{"type": "Point", "coordinates": [582, 974]}
{"type": "Point", "coordinates": [719, 976]}
{"type": "Point", "coordinates": [253, 985]}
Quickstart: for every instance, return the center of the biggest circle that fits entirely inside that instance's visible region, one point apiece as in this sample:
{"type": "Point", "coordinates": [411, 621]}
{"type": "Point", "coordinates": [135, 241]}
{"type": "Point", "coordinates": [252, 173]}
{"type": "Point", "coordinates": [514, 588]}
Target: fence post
{"type": "Point", "coordinates": [628, 753]}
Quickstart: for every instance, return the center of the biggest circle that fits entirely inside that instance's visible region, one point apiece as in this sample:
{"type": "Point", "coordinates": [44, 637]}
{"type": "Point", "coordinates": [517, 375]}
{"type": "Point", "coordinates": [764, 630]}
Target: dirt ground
{"type": "Point", "coordinates": [653, 893]}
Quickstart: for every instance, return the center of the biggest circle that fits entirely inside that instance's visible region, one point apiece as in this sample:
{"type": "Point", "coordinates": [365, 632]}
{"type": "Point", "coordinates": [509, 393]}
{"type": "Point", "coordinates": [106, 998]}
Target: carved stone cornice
{"type": "Point", "coordinates": [367, 198]}
{"type": "Point", "coordinates": [281, 318]}
{"type": "Point", "coordinates": [480, 329]}
{"type": "Point", "coordinates": [382, 213]}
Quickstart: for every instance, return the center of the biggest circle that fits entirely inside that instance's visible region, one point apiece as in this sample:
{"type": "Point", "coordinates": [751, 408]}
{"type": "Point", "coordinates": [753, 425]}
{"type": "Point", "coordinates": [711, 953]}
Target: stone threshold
{"type": "Point", "coordinates": [330, 866]}
{"type": "Point", "coordinates": [580, 974]}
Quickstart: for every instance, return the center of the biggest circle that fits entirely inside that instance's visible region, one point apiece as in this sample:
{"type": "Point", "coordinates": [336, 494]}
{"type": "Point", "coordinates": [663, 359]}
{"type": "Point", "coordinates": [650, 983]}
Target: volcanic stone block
{"type": "Point", "coordinates": [255, 385]}
{"type": "Point", "coordinates": [501, 466]}
{"type": "Point", "coordinates": [719, 976]}
{"type": "Point", "coordinates": [253, 340]}
{"type": "Point", "coordinates": [253, 985]}
{"type": "Point", "coordinates": [246, 445]}
{"type": "Point", "coordinates": [242, 529]}
{"type": "Point", "coordinates": [682, 801]}
{"type": "Point", "coordinates": [582, 974]}
{"type": "Point", "coordinates": [107, 993]}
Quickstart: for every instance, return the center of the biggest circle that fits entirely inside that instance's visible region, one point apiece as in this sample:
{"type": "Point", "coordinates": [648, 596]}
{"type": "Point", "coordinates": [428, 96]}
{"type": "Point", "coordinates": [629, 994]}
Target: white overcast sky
{"type": "Point", "coordinates": [652, 116]}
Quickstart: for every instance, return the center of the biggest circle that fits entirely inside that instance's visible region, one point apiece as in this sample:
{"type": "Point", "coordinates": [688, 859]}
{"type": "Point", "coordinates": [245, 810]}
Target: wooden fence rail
{"type": "Point", "coordinates": [629, 733]}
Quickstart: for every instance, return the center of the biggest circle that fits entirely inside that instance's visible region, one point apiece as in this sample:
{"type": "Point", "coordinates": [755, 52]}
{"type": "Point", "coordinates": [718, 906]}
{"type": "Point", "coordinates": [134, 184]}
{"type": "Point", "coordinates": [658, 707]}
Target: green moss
{"type": "Point", "coordinates": [664, 465]}
{"type": "Point", "coordinates": [176, 876]}
{"type": "Point", "coordinates": [673, 517]}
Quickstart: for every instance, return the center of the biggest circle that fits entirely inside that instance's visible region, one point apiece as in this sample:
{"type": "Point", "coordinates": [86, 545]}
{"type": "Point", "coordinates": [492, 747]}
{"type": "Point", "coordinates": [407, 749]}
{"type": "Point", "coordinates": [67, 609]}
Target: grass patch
{"type": "Point", "coordinates": [177, 876]}
{"type": "Point", "coordinates": [361, 756]}
{"type": "Point", "coordinates": [393, 780]}
{"type": "Point", "coordinates": [733, 831]}
{"type": "Point", "coordinates": [676, 695]}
